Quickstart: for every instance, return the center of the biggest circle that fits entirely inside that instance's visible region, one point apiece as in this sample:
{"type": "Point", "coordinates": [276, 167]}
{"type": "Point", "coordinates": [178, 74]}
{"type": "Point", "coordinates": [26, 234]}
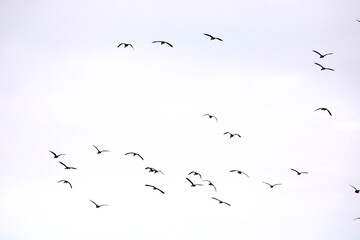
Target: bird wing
{"type": "Point", "coordinates": [352, 187]}
{"type": "Point", "coordinates": [329, 69]}
{"type": "Point", "coordinates": [168, 44]}
{"type": "Point", "coordinates": [317, 52]}
{"type": "Point", "coordinates": [215, 118]}
{"type": "Point", "coordinates": [105, 150]}
{"type": "Point", "coordinates": [356, 218]}
{"type": "Point", "coordinates": [277, 184]}
{"type": "Point", "coordinates": [69, 183]}
{"type": "Point", "coordinates": [93, 202]}
{"type": "Point", "coordinates": [160, 190]}
{"type": "Point", "coordinates": [319, 65]}
{"type": "Point", "coordinates": [327, 54]}
{"type": "Point", "coordinates": [216, 199]}
{"type": "Point", "coordinates": [206, 114]}
{"type": "Point", "coordinates": [237, 135]}
{"type": "Point", "coordinates": [190, 181]}
{"type": "Point", "coordinates": [227, 204]}
{"type": "Point", "coordinates": [206, 34]}
{"type": "Point", "coordinates": [53, 153]}
{"type": "Point", "coordinates": [131, 46]}
{"type": "Point", "coordinates": [102, 205]}
{"type": "Point", "coordinates": [129, 153]}
{"type": "Point", "coordinates": [227, 133]}
{"type": "Point", "coordinates": [233, 170]}
{"type": "Point", "coordinates": [63, 164]}
{"type": "Point", "coordinates": [147, 185]}
{"type": "Point", "coordinates": [61, 181]}
{"type": "Point", "coordinates": [246, 174]}
{"type": "Point", "coordinates": [318, 109]}
{"type": "Point", "coordinates": [328, 111]}
{"type": "Point", "coordinates": [120, 44]}
{"type": "Point", "coordinates": [219, 39]}
{"type": "Point", "coordinates": [96, 148]}
{"type": "Point", "coordinates": [149, 168]}
{"type": "Point", "coordinates": [139, 156]}
{"type": "Point", "coordinates": [294, 170]}
{"type": "Point", "coordinates": [267, 183]}
{"type": "Point", "coordinates": [160, 172]}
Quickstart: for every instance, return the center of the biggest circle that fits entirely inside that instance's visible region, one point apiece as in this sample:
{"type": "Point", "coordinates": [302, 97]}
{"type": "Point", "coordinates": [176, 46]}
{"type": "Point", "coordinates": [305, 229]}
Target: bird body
{"type": "Point", "coordinates": [210, 116]}
{"type": "Point", "coordinates": [271, 186]}
{"type": "Point", "coordinates": [57, 155]}
{"type": "Point", "coordinates": [232, 134]}
{"type": "Point", "coordinates": [212, 37]}
{"type": "Point", "coordinates": [356, 190]}
{"type": "Point", "coordinates": [323, 109]}
{"type": "Point", "coordinates": [298, 173]}
{"type": "Point", "coordinates": [100, 151]}
{"type": "Point", "coordinates": [154, 188]}
{"type": "Point", "coordinates": [153, 170]}
{"type": "Point", "coordinates": [220, 201]}
{"type": "Point", "coordinates": [96, 205]}
{"type": "Point", "coordinates": [324, 68]}
{"type": "Point", "coordinates": [239, 172]}
{"type": "Point", "coordinates": [321, 55]}
{"type": "Point", "coordinates": [163, 42]}
{"type": "Point", "coordinates": [65, 181]}
{"type": "Point", "coordinates": [135, 154]}
{"type": "Point", "coordinates": [66, 167]}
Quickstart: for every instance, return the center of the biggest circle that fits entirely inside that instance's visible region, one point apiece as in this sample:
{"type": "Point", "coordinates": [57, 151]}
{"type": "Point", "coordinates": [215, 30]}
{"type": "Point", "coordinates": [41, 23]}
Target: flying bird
{"type": "Point", "coordinates": [298, 173]}
{"type": "Point", "coordinates": [210, 184]}
{"type": "Point", "coordinates": [97, 206]}
{"type": "Point", "coordinates": [324, 68]}
{"type": "Point", "coordinates": [192, 184]}
{"type": "Point", "coordinates": [66, 167]}
{"type": "Point", "coordinates": [239, 172]}
{"type": "Point", "coordinates": [57, 155]}
{"type": "Point", "coordinates": [195, 173]}
{"type": "Point", "coordinates": [135, 154]}
{"type": "Point", "coordinates": [163, 42]}
{"type": "Point", "coordinates": [323, 109]}
{"type": "Point", "coordinates": [65, 181]}
{"type": "Point", "coordinates": [210, 116]}
{"type": "Point", "coordinates": [100, 151]}
{"type": "Point", "coordinates": [356, 190]}
{"type": "Point", "coordinates": [212, 37]}
{"type": "Point", "coordinates": [271, 186]}
{"type": "Point", "coordinates": [322, 56]}
{"type": "Point", "coordinates": [126, 45]}
{"type": "Point", "coordinates": [221, 201]}
{"type": "Point", "coordinates": [153, 170]}
{"type": "Point", "coordinates": [154, 188]}
{"type": "Point", "coordinates": [232, 134]}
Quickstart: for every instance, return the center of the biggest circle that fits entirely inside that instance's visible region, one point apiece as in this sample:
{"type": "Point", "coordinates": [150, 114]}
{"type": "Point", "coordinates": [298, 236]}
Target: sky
{"type": "Point", "coordinates": [66, 86]}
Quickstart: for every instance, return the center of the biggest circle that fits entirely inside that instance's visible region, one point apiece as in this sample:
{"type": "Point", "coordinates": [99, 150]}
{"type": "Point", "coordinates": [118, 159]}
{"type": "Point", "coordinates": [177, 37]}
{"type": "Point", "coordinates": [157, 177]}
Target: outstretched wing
{"type": "Point", "coordinates": [96, 148]}
{"type": "Point", "coordinates": [245, 174]}
{"type": "Point", "coordinates": [147, 185]}
{"type": "Point", "coordinates": [216, 199]}
{"type": "Point", "coordinates": [63, 164]}
{"type": "Point", "coordinates": [352, 187]}
{"type": "Point", "coordinates": [237, 135]}
{"type": "Point", "coordinates": [219, 39]}
{"type": "Point", "coordinates": [160, 190]}
{"type": "Point", "coordinates": [329, 69]}
{"type": "Point", "coordinates": [93, 202]}
{"type": "Point", "coordinates": [139, 156]}
{"type": "Point", "coordinates": [267, 183]}
{"type": "Point", "coordinates": [190, 181]}
{"type": "Point", "coordinates": [53, 153]}
{"type": "Point", "coordinates": [318, 64]}
{"type": "Point", "coordinates": [120, 44]}
{"type": "Point", "coordinates": [206, 34]}
{"type": "Point", "coordinates": [168, 44]}
{"type": "Point", "coordinates": [317, 52]}
{"type": "Point", "coordinates": [294, 170]}
{"type": "Point", "coordinates": [328, 54]}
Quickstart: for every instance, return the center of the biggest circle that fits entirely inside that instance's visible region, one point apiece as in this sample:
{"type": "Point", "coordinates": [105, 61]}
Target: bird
{"type": "Point", "coordinates": [126, 45]}
{"type": "Point", "coordinates": [271, 186]}
{"type": "Point", "coordinates": [221, 201]}
{"type": "Point", "coordinates": [154, 170]}
{"type": "Point", "coordinates": [210, 184]}
{"type": "Point", "coordinates": [324, 68]}
{"type": "Point", "coordinates": [163, 42]}
{"type": "Point", "coordinates": [323, 109]}
{"type": "Point", "coordinates": [356, 218]}
{"type": "Point", "coordinates": [66, 167]}
{"type": "Point", "coordinates": [322, 56]}
{"type": "Point", "coordinates": [134, 154]}
{"type": "Point", "coordinates": [356, 190]}
{"type": "Point", "coordinates": [97, 206]}
{"type": "Point", "coordinates": [210, 116]}
{"type": "Point", "coordinates": [232, 134]}
{"type": "Point", "coordinates": [298, 173]}
{"type": "Point", "coordinates": [100, 151]}
{"type": "Point", "coordinates": [212, 37]}
{"type": "Point", "coordinates": [239, 172]}
{"type": "Point", "coordinates": [154, 188]}
{"type": "Point", "coordinates": [65, 181]}
{"type": "Point", "coordinates": [57, 155]}
{"type": "Point", "coordinates": [192, 184]}
{"type": "Point", "coordinates": [195, 173]}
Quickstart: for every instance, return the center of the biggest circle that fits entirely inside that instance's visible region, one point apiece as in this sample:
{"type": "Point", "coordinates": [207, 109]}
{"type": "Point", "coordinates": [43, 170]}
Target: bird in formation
{"type": "Point", "coordinates": [221, 201]}
{"type": "Point", "coordinates": [323, 68]}
{"type": "Point", "coordinates": [153, 170]}
{"type": "Point", "coordinates": [210, 184]}
{"type": "Point", "coordinates": [321, 55]}
{"type": "Point", "coordinates": [96, 205]}
{"type": "Point", "coordinates": [126, 45]}
{"type": "Point", "coordinates": [271, 186]}
{"type": "Point", "coordinates": [212, 37]}
{"type": "Point", "coordinates": [154, 188]}
{"type": "Point", "coordinates": [356, 190]}
{"type": "Point", "coordinates": [66, 167]}
{"type": "Point", "coordinates": [100, 151]}
{"type": "Point", "coordinates": [163, 42]}
{"type": "Point", "coordinates": [57, 155]}
{"type": "Point", "coordinates": [323, 109]}
{"type": "Point", "coordinates": [192, 184]}
{"type": "Point", "coordinates": [65, 181]}
{"type": "Point", "coordinates": [195, 174]}
{"type": "Point", "coordinates": [232, 134]}
{"type": "Point", "coordinates": [135, 154]}
{"type": "Point", "coordinates": [210, 116]}
{"type": "Point", "coordinates": [298, 173]}
{"type": "Point", "coordinates": [239, 172]}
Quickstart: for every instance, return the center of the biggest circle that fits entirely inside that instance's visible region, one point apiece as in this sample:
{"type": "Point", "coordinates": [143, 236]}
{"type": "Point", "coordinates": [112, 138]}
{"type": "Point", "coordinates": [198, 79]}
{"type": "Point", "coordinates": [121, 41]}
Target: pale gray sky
{"type": "Point", "coordinates": [64, 86]}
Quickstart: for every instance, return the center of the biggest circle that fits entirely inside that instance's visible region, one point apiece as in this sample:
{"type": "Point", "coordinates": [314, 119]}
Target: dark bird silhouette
{"type": "Point", "coordinates": [356, 218]}
{"type": "Point", "coordinates": [239, 172]}
{"type": "Point", "coordinates": [212, 37]}
{"type": "Point", "coordinates": [66, 167]}
{"type": "Point", "coordinates": [210, 116]}
{"type": "Point", "coordinates": [195, 173]}
{"type": "Point", "coordinates": [324, 68]}
{"type": "Point", "coordinates": [154, 188]}
{"type": "Point", "coordinates": [100, 151]}
{"type": "Point", "coordinates": [126, 45]}
{"type": "Point", "coordinates": [57, 155]}
{"type": "Point", "coordinates": [210, 184]}
{"type": "Point", "coordinates": [135, 154]}
{"type": "Point", "coordinates": [271, 186]}
{"type": "Point", "coordinates": [221, 201]}
{"type": "Point", "coordinates": [298, 173]}
{"type": "Point", "coordinates": [356, 190]}
{"type": "Point", "coordinates": [65, 181]}
{"type": "Point", "coordinates": [153, 170]}
{"type": "Point", "coordinates": [232, 134]}
{"type": "Point", "coordinates": [163, 42]}
{"type": "Point", "coordinates": [323, 109]}
{"type": "Point", "coordinates": [192, 184]}
{"type": "Point", "coordinates": [97, 206]}
{"type": "Point", "coordinates": [322, 56]}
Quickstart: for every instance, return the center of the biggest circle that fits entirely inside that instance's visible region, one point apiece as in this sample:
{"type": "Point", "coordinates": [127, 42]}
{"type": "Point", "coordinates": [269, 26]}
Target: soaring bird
{"type": "Point", "coordinates": [65, 181]}
{"type": "Point", "coordinates": [153, 170]}
{"type": "Point", "coordinates": [298, 173]}
{"type": "Point", "coordinates": [97, 206]}
{"type": "Point", "coordinates": [239, 172]}
{"type": "Point", "coordinates": [57, 155]}
{"type": "Point", "coordinates": [221, 201]}
{"type": "Point", "coordinates": [323, 109]}
{"type": "Point", "coordinates": [356, 190]}
{"type": "Point", "coordinates": [126, 45]}
{"type": "Point", "coordinates": [210, 116]}
{"type": "Point", "coordinates": [100, 151]}
{"type": "Point", "coordinates": [322, 56]}
{"type": "Point", "coordinates": [212, 37]}
{"type": "Point", "coordinates": [154, 188]}
{"type": "Point", "coordinates": [163, 42]}
{"type": "Point", "coordinates": [210, 184]}
{"type": "Point", "coordinates": [192, 184]}
{"type": "Point", "coordinates": [324, 68]}
{"type": "Point", "coordinates": [232, 134]}
{"type": "Point", "coordinates": [135, 154]}
{"type": "Point", "coordinates": [66, 167]}
{"type": "Point", "coordinates": [271, 186]}
{"type": "Point", "coordinates": [195, 173]}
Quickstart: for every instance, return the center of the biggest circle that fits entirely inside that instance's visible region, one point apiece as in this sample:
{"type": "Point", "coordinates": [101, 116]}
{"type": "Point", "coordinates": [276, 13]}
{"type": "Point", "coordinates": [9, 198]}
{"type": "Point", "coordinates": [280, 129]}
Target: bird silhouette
{"type": "Point", "coordinates": [322, 56]}
{"type": "Point", "coordinates": [356, 190]}
{"type": "Point", "coordinates": [239, 172]}
{"type": "Point", "coordinates": [57, 155]}
{"type": "Point", "coordinates": [221, 201]}
{"type": "Point", "coordinates": [232, 134]}
{"type": "Point", "coordinates": [126, 45]}
{"type": "Point", "coordinates": [210, 184]}
{"type": "Point", "coordinates": [100, 151]}
{"type": "Point", "coordinates": [135, 154]}
{"type": "Point", "coordinates": [195, 174]}
{"type": "Point", "coordinates": [65, 181]}
{"type": "Point", "coordinates": [97, 206]}
{"type": "Point", "coordinates": [66, 167]}
{"type": "Point", "coordinates": [298, 173]}
{"type": "Point", "coordinates": [324, 68]}
{"type": "Point", "coordinates": [153, 170]}
{"type": "Point", "coordinates": [163, 42]}
{"type": "Point", "coordinates": [271, 186]}
{"type": "Point", "coordinates": [323, 109]}
{"type": "Point", "coordinates": [212, 37]}
{"type": "Point", "coordinates": [192, 184]}
{"type": "Point", "coordinates": [154, 188]}
{"type": "Point", "coordinates": [210, 116]}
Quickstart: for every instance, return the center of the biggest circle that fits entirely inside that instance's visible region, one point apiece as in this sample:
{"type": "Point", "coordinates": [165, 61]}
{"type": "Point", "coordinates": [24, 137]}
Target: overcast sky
{"type": "Point", "coordinates": [65, 86]}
